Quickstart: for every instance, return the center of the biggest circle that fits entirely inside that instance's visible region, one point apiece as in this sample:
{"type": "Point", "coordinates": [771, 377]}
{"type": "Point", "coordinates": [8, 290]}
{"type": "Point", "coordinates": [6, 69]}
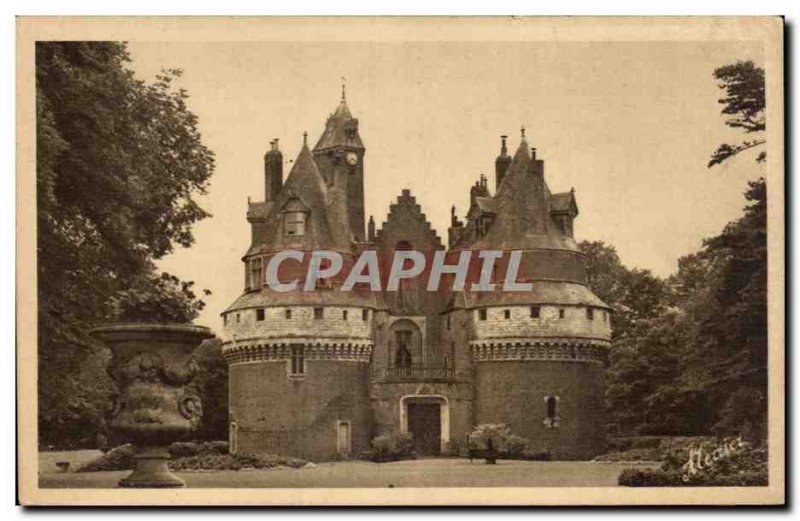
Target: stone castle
{"type": "Point", "coordinates": [319, 374]}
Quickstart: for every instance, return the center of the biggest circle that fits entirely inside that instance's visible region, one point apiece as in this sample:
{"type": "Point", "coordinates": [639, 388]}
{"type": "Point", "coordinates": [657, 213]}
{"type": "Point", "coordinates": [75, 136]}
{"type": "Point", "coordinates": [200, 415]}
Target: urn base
{"type": "Point", "coordinates": [151, 471]}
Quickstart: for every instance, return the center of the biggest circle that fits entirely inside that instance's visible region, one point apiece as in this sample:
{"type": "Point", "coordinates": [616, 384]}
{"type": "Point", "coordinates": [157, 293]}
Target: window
{"type": "Point", "coordinates": [238, 318]}
{"type": "Point", "coordinates": [343, 438]}
{"type": "Point", "coordinates": [232, 438]}
{"type": "Point", "coordinates": [506, 314]}
{"type": "Point", "coordinates": [295, 223]}
{"type": "Point", "coordinates": [256, 273]}
{"type": "Point", "coordinates": [318, 313]}
{"type": "Point", "coordinates": [402, 354]}
{"type": "Point", "coordinates": [298, 361]}
{"type": "Point", "coordinates": [344, 314]}
{"type": "Point", "coordinates": [260, 314]}
{"type": "Point", "coordinates": [288, 314]}
{"type": "Point", "coordinates": [364, 315]}
{"type": "Point", "coordinates": [561, 313]}
{"type": "Point", "coordinates": [446, 361]}
{"type": "Point", "coordinates": [224, 320]}
{"type": "Point", "coordinates": [551, 405]}
{"type": "Point", "coordinates": [589, 313]}
{"type": "Point", "coordinates": [535, 312]}
{"type": "Point", "coordinates": [481, 314]}
{"type": "Point", "coordinates": [605, 315]}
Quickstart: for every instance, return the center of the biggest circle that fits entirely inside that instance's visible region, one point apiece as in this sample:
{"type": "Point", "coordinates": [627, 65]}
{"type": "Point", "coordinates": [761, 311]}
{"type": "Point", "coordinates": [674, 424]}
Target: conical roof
{"type": "Point", "coordinates": [304, 191]}
{"type": "Point", "coordinates": [522, 219]}
{"type": "Point", "coordinates": [341, 130]}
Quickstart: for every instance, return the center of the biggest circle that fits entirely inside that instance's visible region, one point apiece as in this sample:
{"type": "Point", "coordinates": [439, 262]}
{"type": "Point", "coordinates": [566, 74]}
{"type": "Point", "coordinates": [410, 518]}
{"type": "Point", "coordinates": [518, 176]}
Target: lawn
{"type": "Point", "coordinates": [416, 473]}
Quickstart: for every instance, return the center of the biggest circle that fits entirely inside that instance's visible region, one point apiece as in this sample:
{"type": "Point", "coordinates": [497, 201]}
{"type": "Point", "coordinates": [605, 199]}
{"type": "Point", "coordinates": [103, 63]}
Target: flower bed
{"type": "Point", "coordinates": [188, 456]}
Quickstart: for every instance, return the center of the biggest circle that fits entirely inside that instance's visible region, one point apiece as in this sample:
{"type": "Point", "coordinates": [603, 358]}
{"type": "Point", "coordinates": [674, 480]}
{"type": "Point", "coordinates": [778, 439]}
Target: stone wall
{"type": "Point", "coordinates": [243, 322]}
{"type": "Point", "coordinates": [514, 393]}
{"type": "Point", "coordinates": [278, 414]}
{"type": "Point", "coordinates": [521, 324]}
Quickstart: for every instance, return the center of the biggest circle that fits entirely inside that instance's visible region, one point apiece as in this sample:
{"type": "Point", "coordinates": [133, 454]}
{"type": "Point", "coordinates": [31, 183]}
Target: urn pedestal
{"type": "Point", "coordinates": [156, 402]}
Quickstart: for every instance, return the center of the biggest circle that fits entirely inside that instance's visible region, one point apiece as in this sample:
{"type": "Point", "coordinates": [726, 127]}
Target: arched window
{"type": "Point", "coordinates": [402, 353]}
{"type": "Point", "coordinates": [406, 343]}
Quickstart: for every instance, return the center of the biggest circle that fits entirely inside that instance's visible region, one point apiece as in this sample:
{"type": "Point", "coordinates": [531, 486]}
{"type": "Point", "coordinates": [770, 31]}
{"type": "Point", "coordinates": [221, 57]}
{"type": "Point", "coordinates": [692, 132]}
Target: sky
{"type": "Point", "coordinates": [629, 125]}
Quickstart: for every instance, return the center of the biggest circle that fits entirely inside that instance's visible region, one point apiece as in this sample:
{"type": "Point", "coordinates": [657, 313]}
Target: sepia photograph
{"type": "Point", "coordinates": [400, 261]}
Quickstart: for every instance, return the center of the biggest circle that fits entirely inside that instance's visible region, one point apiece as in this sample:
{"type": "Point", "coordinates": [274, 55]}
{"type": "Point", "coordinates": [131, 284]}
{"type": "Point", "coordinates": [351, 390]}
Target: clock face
{"type": "Point", "coordinates": [352, 158]}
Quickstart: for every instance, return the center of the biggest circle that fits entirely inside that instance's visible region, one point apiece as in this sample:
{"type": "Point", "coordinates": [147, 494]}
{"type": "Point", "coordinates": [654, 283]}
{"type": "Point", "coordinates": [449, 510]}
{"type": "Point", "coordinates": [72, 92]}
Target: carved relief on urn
{"type": "Point", "coordinates": [157, 402]}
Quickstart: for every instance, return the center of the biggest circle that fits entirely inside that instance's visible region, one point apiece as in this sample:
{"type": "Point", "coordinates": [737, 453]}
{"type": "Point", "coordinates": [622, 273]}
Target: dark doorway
{"type": "Point", "coordinates": [424, 422]}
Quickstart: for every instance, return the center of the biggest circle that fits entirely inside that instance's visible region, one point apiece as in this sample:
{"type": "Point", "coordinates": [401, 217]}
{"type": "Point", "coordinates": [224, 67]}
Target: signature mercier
{"type": "Point", "coordinates": [699, 459]}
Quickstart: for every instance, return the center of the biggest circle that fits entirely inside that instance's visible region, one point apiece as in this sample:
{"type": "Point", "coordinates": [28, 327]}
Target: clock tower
{"type": "Point", "coordinates": [340, 149]}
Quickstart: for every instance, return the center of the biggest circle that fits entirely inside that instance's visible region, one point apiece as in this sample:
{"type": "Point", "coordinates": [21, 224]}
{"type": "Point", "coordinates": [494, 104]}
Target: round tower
{"type": "Point", "coordinates": [538, 343]}
{"type": "Point", "coordinates": [299, 360]}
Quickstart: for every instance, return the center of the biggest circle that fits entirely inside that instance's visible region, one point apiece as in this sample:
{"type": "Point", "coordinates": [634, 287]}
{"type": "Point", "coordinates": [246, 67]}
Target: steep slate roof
{"type": "Point", "coordinates": [267, 297]}
{"type": "Point", "coordinates": [341, 130]}
{"type": "Point", "coordinates": [521, 205]}
{"type": "Point", "coordinates": [306, 186]}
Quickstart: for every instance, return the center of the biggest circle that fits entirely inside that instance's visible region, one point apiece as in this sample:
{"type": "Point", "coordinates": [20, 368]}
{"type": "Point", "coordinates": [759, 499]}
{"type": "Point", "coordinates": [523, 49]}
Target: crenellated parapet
{"type": "Point", "coordinates": [552, 349]}
{"type": "Point", "coordinates": [256, 350]}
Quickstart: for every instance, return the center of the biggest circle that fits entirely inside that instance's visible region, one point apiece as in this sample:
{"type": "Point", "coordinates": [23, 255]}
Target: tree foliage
{"type": "Point", "coordinates": [119, 165]}
{"type": "Point", "coordinates": [744, 102]}
{"type": "Point", "coordinates": [690, 352]}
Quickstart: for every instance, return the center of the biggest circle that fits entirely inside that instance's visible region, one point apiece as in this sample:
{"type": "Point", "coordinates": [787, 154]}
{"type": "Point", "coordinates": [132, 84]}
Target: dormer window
{"type": "Point", "coordinates": [295, 223]}
{"type": "Point", "coordinates": [295, 214]}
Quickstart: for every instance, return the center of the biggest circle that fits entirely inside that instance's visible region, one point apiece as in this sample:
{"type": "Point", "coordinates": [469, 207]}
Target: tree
{"type": "Point", "coordinates": [729, 310]}
{"type": "Point", "coordinates": [632, 294]}
{"type": "Point", "coordinates": [744, 102]}
{"type": "Point", "coordinates": [213, 385]}
{"type": "Point", "coordinates": [119, 164]}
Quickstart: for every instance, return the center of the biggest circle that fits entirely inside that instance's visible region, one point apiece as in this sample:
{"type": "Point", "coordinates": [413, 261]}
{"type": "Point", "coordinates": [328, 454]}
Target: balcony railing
{"type": "Point", "coordinates": [416, 374]}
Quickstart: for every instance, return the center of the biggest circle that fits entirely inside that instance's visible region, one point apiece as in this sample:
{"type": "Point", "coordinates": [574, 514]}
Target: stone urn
{"type": "Point", "coordinates": [156, 402]}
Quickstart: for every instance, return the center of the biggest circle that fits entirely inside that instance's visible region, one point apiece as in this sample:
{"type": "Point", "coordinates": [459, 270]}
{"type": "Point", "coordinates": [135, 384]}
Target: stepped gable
{"type": "Point", "coordinates": [403, 216]}
{"type": "Point", "coordinates": [305, 191]}
{"type": "Point", "coordinates": [521, 206]}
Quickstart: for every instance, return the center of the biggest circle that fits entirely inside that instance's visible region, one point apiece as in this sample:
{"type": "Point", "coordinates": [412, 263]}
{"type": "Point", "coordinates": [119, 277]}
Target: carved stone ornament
{"type": "Point", "coordinates": [156, 402]}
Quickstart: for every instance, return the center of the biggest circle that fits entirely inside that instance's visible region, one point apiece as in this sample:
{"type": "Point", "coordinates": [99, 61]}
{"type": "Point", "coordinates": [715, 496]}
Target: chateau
{"type": "Point", "coordinates": [318, 374]}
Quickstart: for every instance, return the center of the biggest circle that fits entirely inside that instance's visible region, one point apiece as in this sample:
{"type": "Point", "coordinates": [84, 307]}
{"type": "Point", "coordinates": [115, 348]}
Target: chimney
{"type": "Point", "coordinates": [371, 229]}
{"type": "Point", "coordinates": [273, 171]}
{"type": "Point", "coordinates": [501, 163]}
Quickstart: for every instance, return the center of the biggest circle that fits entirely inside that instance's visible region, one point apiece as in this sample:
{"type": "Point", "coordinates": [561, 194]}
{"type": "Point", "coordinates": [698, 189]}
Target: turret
{"type": "Point", "coordinates": [273, 171]}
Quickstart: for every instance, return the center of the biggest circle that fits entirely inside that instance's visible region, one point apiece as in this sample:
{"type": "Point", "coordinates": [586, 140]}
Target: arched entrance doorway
{"type": "Point", "coordinates": [427, 417]}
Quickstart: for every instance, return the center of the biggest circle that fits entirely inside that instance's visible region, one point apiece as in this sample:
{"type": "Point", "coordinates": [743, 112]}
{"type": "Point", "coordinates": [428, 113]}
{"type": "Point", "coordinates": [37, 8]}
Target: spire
{"type": "Point", "coordinates": [341, 129]}
{"type": "Point", "coordinates": [344, 86]}
{"type": "Point", "coordinates": [305, 139]}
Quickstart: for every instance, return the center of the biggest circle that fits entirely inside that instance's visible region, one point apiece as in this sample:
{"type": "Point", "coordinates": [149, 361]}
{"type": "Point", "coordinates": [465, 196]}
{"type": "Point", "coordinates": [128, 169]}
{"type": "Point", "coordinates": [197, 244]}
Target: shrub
{"type": "Point", "coordinates": [498, 433]}
{"type": "Point", "coordinates": [216, 461]}
{"type": "Point", "coordinates": [118, 458]}
{"type": "Point", "coordinates": [505, 444]}
{"type": "Point", "coordinates": [391, 447]}
{"type": "Point", "coordinates": [183, 449]}
{"type": "Point", "coordinates": [515, 447]}
{"type": "Point", "coordinates": [745, 467]}
{"type": "Point", "coordinates": [194, 456]}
